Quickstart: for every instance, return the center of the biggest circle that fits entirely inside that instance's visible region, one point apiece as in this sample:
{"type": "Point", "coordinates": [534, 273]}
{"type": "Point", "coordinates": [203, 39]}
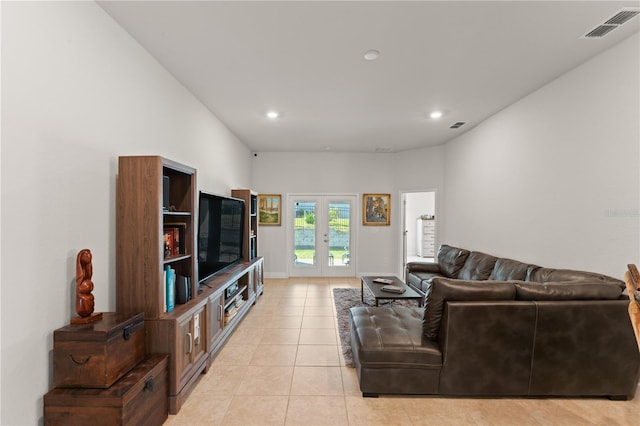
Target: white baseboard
{"type": "Point", "coordinates": [276, 275]}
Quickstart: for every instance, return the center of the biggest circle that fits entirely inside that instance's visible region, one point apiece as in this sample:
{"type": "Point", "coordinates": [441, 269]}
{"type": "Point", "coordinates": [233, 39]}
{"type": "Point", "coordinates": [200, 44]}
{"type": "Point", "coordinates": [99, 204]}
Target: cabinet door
{"type": "Point", "coordinates": [185, 343]}
{"type": "Point", "coordinates": [259, 274]}
{"type": "Point", "coordinates": [215, 316]}
{"type": "Point", "coordinates": [199, 334]}
{"type": "Point", "coordinates": [192, 341]}
{"type": "Point", "coordinates": [251, 283]}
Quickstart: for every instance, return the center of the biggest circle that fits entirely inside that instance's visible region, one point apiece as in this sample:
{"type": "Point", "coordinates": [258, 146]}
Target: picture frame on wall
{"type": "Point", "coordinates": [269, 209]}
{"type": "Point", "coordinates": [376, 209]}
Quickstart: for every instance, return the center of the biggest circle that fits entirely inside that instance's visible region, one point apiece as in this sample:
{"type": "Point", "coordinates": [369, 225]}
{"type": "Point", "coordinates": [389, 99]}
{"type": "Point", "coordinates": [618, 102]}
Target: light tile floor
{"type": "Point", "coordinates": [283, 366]}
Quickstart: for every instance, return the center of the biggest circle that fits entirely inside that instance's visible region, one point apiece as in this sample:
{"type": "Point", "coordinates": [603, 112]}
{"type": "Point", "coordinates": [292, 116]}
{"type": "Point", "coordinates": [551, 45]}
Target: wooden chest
{"type": "Point", "coordinates": [139, 398]}
{"type": "Point", "coordinates": [96, 355]}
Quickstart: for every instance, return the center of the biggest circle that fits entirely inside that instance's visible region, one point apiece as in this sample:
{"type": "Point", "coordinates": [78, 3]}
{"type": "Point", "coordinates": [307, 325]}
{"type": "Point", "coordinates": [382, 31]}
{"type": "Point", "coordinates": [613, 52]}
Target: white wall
{"type": "Point", "coordinates": [421, 170]}
{"type": "Point", "coordinates": [77, 92]}
{"type": "Point", "coordinates": [378, 249]}
{"type": "Point", "coordinates": [326, 173]}
{"type": "Point", "coordinates": [554, 178]}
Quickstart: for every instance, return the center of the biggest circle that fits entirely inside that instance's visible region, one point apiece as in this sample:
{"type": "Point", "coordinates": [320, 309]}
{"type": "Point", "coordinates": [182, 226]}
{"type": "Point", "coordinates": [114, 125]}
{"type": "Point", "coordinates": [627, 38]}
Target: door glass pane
{"type": "Point", "coordinates": [304, 234]}
{"type": "Point", "coordinates": [339, 233]}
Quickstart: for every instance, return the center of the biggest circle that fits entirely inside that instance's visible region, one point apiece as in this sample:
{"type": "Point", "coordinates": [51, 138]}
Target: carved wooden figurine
{"type": "Point", "coordinates": [84, 287]}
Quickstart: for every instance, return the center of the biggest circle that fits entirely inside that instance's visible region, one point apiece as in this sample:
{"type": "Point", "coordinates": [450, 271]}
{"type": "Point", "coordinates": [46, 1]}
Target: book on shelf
{"type": "Point", "coordinates": [382, 281]}
{"type": "Point", "coordinates": [170, 286]}
{"type": "Point", "coordinates": [393, 289]}
{"type": "Point", "coordinates": [229, 313]}
{"type": "Point", "coordinates": [164, 288]}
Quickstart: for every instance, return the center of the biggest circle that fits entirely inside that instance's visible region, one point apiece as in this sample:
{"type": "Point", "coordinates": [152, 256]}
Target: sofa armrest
{"type": "Point", "coordinates": [585, 347]}
{"type": "Point", "coordinates": [423, 267]}
{"type": "Point", "coordinates": [487, 347]}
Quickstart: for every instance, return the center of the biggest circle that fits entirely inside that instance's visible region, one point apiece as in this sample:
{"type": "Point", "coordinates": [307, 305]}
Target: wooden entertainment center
{"type": "Point", "coordinates": [192, 332]}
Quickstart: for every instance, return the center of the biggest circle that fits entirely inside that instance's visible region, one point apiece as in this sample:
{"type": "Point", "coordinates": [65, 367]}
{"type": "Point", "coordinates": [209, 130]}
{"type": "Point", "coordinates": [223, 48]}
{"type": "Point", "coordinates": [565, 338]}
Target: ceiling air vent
{"type": "Point", "coordinates": [613, 22]}
{"type": "Point", "coordinates": [622, 16]}
{"type": "Point", "coordinates": [457, 124]}
{"type": "Point", "coordinates": [600, 31]}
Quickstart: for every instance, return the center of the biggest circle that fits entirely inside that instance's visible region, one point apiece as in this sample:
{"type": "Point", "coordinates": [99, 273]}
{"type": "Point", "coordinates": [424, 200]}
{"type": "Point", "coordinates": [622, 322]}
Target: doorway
{"type": "Point", "coordinates": [321, 235]}
{"type": "Point", "coordinates": [420, 227]}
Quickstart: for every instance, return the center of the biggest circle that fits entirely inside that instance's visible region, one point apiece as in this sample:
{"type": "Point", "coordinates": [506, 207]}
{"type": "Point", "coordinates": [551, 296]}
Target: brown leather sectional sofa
{"type": "Point", "coordinates": [498, 327]}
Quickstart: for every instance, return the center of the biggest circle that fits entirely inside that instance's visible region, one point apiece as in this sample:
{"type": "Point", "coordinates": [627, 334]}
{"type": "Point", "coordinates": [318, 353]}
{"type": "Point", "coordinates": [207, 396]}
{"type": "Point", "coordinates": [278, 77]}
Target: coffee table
{"type": "Point", "coordinates": [378, 294]}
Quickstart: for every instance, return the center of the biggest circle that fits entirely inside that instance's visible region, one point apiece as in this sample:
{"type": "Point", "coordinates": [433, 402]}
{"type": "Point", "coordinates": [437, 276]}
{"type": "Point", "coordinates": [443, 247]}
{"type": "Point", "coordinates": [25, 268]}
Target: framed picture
{"type": "Point", "coordinates": [178, 232]}
{"type": "Point", "coordinates": [269, 209]}
{"type": "Point", "coordinates": [376, 209]}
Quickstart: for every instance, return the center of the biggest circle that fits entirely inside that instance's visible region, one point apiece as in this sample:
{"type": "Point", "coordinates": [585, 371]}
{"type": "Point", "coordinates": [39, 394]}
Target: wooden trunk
{"type": "Point", "coordinates": [98, 354]}
{"type": "Point", "coordinates": [139, 398]}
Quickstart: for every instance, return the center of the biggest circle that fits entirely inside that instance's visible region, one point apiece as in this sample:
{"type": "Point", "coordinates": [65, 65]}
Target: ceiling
{"type": "Point", "coordinates": [305, 60]}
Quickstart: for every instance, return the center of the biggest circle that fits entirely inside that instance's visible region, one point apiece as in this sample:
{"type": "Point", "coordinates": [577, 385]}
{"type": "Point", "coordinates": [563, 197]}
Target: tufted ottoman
{"type": "Point", "coordinates": [390, 353]}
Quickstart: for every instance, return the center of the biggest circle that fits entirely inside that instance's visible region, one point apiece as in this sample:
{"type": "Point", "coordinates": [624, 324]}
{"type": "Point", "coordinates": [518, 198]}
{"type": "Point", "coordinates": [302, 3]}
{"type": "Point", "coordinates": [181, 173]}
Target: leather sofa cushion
{"type": "Point", "coordinates": [509, 270]}
{"type": "Point", "coordinates": [477, 267]}
{"type": "Point", "coordinates": [451, 259]}
{"type": "Point", "coordinates": [391, 338]}
{"type": "Point", "coordinates": [415, 279]}
{"type": "Point", "coordinates": [568, 290]}
{"type": "Point", "coordinates": [422, 280]}
{"type": "Point", "coordinates": [445, 289]}
{"type": "Point", "coordinates": [545, 275]}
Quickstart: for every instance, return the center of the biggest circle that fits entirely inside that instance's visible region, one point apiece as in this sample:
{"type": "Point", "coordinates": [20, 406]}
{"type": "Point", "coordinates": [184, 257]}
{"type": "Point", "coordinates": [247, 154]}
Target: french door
{"type": "Point", "coordinates": [321, 235]}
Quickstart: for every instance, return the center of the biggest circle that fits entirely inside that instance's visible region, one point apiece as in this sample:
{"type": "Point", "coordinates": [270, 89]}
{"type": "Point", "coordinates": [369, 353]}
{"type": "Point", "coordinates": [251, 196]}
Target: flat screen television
{"type": "Point", "coordinates": [220, 233]}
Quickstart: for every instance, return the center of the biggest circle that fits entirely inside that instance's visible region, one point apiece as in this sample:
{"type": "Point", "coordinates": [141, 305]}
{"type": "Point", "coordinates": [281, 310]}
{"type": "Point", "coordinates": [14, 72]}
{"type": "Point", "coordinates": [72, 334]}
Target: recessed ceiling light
{"type": "Point", "coordinates": [273, 114]}
{"type": "Point", "coordinates": [371, 55]}
{"type": "Point", "coordinates": [435, 114]}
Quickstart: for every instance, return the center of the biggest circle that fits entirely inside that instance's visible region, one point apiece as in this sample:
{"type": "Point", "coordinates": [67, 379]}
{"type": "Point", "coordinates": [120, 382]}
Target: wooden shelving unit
{"type": "Point", "coordinates": [250, 245]}
{"type": "Point", "coordinates": [192, 332]}
{"type": "Point", "coordinates": [140, 263]}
